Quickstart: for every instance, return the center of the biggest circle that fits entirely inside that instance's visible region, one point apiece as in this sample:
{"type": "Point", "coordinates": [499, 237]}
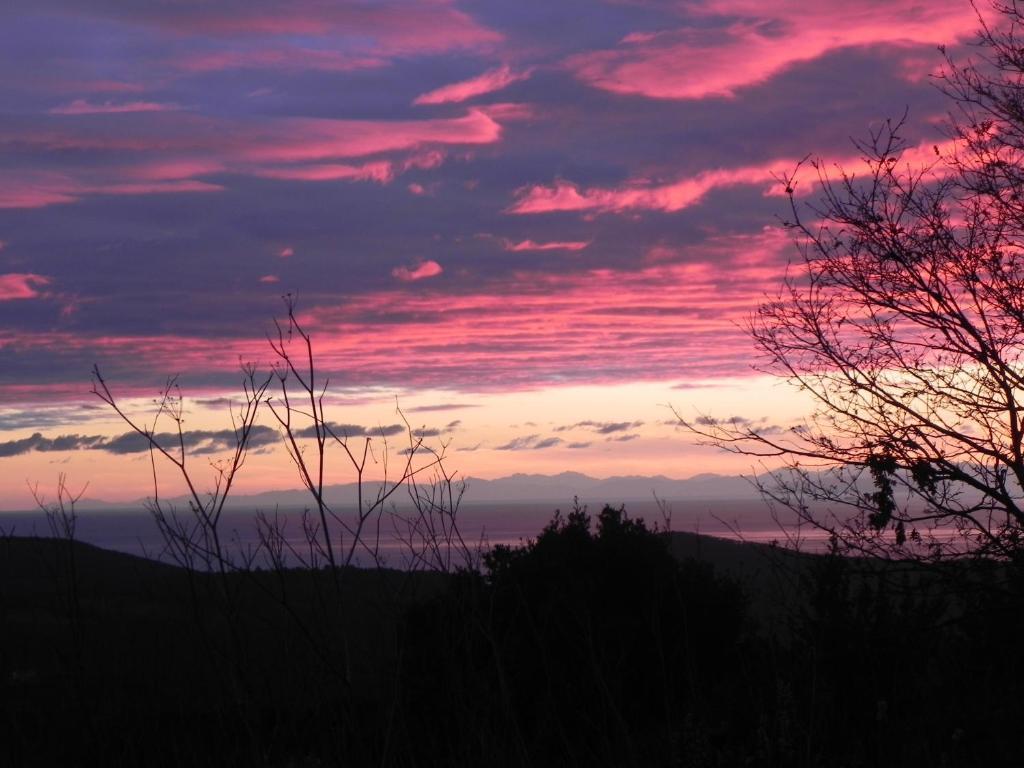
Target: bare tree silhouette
{"type": "Point", "coordinates": [904, 323]}
{"type": "Point", "coordinates": [415, 506]}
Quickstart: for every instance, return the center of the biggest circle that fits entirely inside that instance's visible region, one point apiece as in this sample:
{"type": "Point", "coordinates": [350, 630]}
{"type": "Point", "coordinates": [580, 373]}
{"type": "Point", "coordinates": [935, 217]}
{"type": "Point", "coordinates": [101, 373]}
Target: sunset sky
{"type": "Point", "coordinates": [536, 224]}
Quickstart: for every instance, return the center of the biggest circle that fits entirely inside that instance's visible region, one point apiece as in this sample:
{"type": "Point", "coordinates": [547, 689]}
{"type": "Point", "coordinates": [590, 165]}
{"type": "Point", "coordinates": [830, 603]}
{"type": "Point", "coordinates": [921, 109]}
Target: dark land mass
{"type": "Point", "coordinates": [601, 642]}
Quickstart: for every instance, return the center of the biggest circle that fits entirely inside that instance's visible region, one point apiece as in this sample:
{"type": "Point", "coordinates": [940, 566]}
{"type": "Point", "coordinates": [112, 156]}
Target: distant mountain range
{"type": "Point", "coordinates": [613, 490]}
{"type": "Point", "coordinates": [518, 488]}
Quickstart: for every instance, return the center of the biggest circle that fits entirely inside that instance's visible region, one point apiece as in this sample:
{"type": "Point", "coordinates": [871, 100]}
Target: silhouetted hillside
{"type": "Point", "coordinates": [601, 642]}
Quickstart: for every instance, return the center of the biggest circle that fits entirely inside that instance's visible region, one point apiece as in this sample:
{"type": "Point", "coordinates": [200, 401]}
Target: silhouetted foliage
{"type": "Point", "coordinates": [588, 646]}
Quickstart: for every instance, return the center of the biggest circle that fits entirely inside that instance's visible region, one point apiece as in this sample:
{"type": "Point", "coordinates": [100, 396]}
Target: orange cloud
{"type": "Point", "coordinates": [488, 82]}
{"type": "Point", "coordinates": [421, 271]}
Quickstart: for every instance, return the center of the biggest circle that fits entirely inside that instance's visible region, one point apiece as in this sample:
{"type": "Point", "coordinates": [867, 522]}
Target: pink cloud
{"type": "Point", "coordinates": [508, 111]}
{"type": "Point", "coordinates": [388, 27]}
{"type": "Point", "coordinates": [667, 321]}
{"type": "Point", "coordinates": [154, 188]}
{"type": "Point", "coordinates": [425, 160]}
{"type": "Point", "coordinates": [53, 84]}
{"type": "Point", "coordinates": [32, 189]}
{"type": "Point", "coordinates": [381, 172]}
{"type": "Point", "coordinates": [284, 58]}
{"type": "Point", "coordinates": [680, 319]}
{"type": "Point", "coordinates": [270, 279]}
{"type": "Point", "coordinates": [421, 271]}
{"type": "Point", "coordinates": [639, 194]}
{"type": "Point", "coordinates": [757, 41]}
{"type": "Point", "coordinates": [190, 147]}
{"type": "Point", "coordinates": [85, 107]}
{"type": "Point", "coordinates": [166, 352]}
{"type": "Point", "coordinates": [108, 138]}
{"type": "Point", "coordinates": [308, 139]}
{"type": "Point", "coordinates": [21, 285]}
{"type": "Point", "coordinates": [660, 253]}
{"type": "Point", "coordinates": [286, 253]}
{"type": "Point", "coordinates": [41, 393]}
{"type": "Point", "coordinates": [643, 194]}
{"type": "Point", "coordinates": [530, 245]}
{"type": "Point", "coordinates": [36, 189]}
{"type": "Point", "coordinates": [417, 189]}
{"type": "Point", "coordinates": [112, 86]}
{"type": "Point", "coordinates": [917, 67]}
{"type": "Point", "coordinates": [174, 169]}
{"type": "Point", "coordinates": [108, 86]}
{"type": "Point", "coordinates": [280, 140]}
{"type": "Point", "coordinates": [488, 82]}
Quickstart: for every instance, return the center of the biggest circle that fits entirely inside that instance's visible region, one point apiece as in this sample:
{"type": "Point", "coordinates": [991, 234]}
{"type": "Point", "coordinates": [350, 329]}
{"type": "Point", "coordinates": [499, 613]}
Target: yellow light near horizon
{"type": "Point", "coordinates": [486, 422]}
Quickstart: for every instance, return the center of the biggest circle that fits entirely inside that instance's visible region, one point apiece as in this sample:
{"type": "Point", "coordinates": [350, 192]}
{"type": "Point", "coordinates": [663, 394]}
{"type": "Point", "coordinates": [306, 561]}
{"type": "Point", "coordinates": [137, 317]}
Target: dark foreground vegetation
{"type": "Point", "coordinates": [597, 644]}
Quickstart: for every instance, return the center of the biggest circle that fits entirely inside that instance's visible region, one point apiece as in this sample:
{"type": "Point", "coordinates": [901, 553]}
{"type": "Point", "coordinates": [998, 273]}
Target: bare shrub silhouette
{"type": "Point", "coordinates": [300, 592]}
{"type": "Point", "coordinates": [431, 537]}
{"type": "Point", "coordinates": [334, 537]}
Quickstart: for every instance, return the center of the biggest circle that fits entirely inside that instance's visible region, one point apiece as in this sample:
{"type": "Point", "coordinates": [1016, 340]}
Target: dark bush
{"type": "Point", "coordinates": [582, 647]}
